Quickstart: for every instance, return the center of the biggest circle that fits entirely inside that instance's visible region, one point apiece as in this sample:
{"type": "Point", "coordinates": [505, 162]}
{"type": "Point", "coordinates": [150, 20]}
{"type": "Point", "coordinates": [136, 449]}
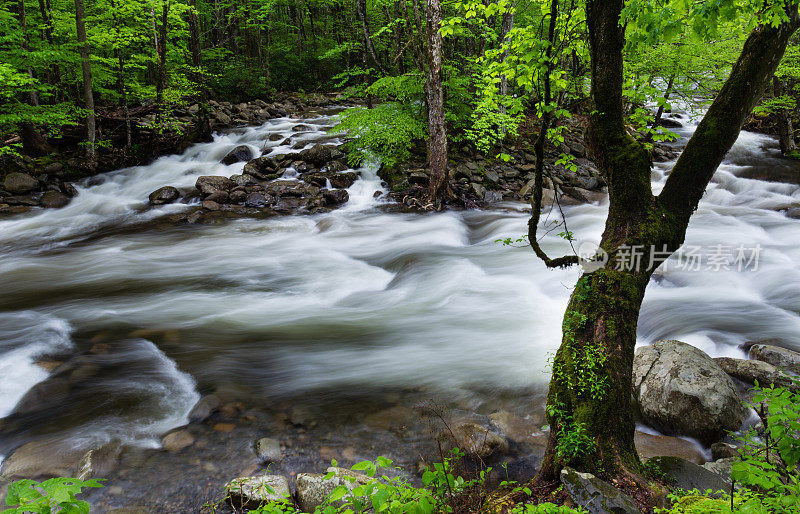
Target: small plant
{"type": "Point", "coordinates": [56, 495]}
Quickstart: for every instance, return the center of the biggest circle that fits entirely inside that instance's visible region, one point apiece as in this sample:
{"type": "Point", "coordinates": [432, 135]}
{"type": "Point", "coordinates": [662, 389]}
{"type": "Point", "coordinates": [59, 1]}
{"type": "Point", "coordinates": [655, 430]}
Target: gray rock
{"type": "Point", "coordinates": [98, 462]}
{"type": "Point", "coordinates": [753, 370]}
{"type": "Point", "coordinates": [787, 360]}
{"type": "Point", "coordinates": [210, 206]}
{"type": "Point", "coordinates": [53, 200]}
{"type": "Point", "coordinates": [223, 118]}
{"type": "Point", "coordinates": [317, 154]}
{"type": "Point", "coordinates": [54, 168]}
{"type": "Point", "coordinates": [313, 489]}
{"type": "Point", "coordinates": [238, 154]}
{"type": "Point", "coordinates": [218, 197]}
{"type": "Point", "coordinates": [274, 137]}
{"type": "Point", "coordinates": [238, 196]}
{"type": "Point", "coordinates": [164, 195]}
{"type": "Point", "coordinates": [268, 449]}
{"type": "Point", "coordinates": [335, 196]}
{"type": "Point", "coordinates": [723, 451]}
{"type": "Point", "coordinates": [491, 176]}
{"type": "Point", "coordinates": [681, 390]}
{"type": "Point", "coordinates": [651, 445]}
{"type": "Point", "coordinates": [256, 200]}
{"type": "Point", "coordinates": [42, 458]}
{"type": "Point", "coordinates": [596, 496]}
{"type": "Point", "coordinates": [337, 180]}
{"type": "Point", "coordinates": [492, 196]}
{"type": "Point", "coordinates": [477, 189]}
{"type": "Point", "coordinates": [477, 440]}
{"type": "Point", "coordinates": [178, 440]}
{"type": "Point", "coordinates": [20, 183]}
{"type": "Point", "coordinates": [210, 184]}
{"type": "Point", "coordinates": [688, 475]}
{"type": "Point", "coordinates": [723, 468]}
{"type": "Point", "coordinates": [249, 493]}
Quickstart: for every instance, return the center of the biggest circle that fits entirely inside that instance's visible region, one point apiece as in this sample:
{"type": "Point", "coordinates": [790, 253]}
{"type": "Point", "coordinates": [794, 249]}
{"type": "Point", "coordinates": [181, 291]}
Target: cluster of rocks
{"type": "Point", "coordinates": [482, 181]}
{"type": "Point", "coordinates": [226, 114]}
{"type": "Point", "coordinates": [21, 191]}
{"type": "Point", "coordinates": [321, 183]}
{"type": "Point", "coordinates": [680, 390]}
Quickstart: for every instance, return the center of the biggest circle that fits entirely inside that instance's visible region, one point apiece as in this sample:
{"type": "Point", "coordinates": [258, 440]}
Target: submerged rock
{"type": "Point", "coordinates": [268, 449]}
{"type": "Point", "coordinates": [651, 445]}
{"type": "Point", "coordinates": [681, 390]}
{"type": "Point", "coordinates": [178, 440]}
{"type": "Point", "coordinates": [478, 441]}
{"type": "Point", "coordinates": [594, 495]}
{"type": "Point", "coordinates": [164, 195]}
{"type": "Point", "coordinates": [249, 493]}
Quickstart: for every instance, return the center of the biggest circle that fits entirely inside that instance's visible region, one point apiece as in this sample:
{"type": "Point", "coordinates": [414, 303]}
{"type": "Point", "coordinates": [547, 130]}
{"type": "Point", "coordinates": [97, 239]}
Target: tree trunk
{"type": "Point", "coordinates": [437, 142]}
{"type": "Point", "coordinates": [785, 124]}
{"type": "Point", "coordinates": [361, 12]}
{"type": "Point", "coordinates": [86, 68]}
{"type": "Point", "coordinates": [194, 35]}
{"type": "Point", "coordinates": [588, 406]}
{"type": "Point", "coordinates": [161, 47]}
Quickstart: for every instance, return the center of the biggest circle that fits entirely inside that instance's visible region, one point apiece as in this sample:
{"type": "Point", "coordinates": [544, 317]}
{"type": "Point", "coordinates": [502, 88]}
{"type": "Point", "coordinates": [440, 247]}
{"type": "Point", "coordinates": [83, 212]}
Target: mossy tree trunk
{"type": "Point", "coordinates": [589, 402]}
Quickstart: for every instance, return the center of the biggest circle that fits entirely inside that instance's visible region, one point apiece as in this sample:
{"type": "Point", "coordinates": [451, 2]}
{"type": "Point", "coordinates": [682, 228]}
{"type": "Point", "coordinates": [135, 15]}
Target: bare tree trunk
{"type": "Point", "coordinates": [86, 68]}
{"type": "Point", "coordinates": [194, 35]}
{"type": "Point", "coordinates": [505, 27]}
{"type": "Point", "coordinates": [437, 142]}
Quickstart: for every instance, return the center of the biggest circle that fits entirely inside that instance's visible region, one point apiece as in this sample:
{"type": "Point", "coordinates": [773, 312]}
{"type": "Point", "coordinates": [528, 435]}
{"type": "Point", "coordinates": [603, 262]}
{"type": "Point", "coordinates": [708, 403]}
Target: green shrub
{"type": "Point", "coordinates": [56, 495]}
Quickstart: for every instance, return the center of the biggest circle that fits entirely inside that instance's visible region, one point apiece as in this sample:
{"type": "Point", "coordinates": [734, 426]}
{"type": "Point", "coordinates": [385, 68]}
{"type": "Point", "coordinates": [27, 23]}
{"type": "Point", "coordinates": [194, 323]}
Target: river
{"type": "Point", "coordinates": [329, 318]}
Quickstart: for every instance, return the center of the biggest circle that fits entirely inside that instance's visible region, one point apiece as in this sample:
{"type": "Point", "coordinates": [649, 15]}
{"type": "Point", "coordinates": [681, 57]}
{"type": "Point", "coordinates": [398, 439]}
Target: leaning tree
{"type": "Point", "coordinates": [589, 401]}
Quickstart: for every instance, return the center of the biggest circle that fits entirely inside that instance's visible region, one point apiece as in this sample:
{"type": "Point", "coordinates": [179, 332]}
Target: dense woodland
{"type": "Point", "coordinates": [500, 62]}
{"type": "Point", "coordinates": [462, 77]}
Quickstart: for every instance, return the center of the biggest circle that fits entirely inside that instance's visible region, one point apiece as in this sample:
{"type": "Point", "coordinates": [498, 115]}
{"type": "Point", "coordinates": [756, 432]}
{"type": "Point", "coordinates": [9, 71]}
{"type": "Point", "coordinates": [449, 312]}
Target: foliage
{"type": "Point", "coordinates": [768, 466]}
{"type": "Point", "coordinates": [56, 495]}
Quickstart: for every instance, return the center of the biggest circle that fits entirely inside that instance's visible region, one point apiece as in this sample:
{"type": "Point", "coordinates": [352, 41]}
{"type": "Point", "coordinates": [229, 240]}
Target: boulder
{"type": "Point", "coordinates": [210, 206]}
{"type": "Point", "coordinates": [681, 390]}
{"type": "Point", "coordinates": [256, 200]}
{"type": "Point", "coordinates": [723, 451]}
{"type": "Point", "coordinates": [98, 462]}
{"type": "Point", "coordinates": [249, 493]}
{"type": "Point", "coordinates": [178, 440]}
{"type": "Point", "coordinates": [687, 475]}
{"type": "Point", "coordinates": [478, 441]}
{"type": "Point", "coordinates": [752, 370]}
{"type": "Point", "coordinates": [781, 358]}
{"type": "Point", "coordinates": [53, 200]}
{"type": "Point", "coordinates": [337, 180]}
{"type": "Point", "coordinates": [317, 154]}
{"type": "Point", "coordinates": [268, 449]}
{"type": "Point", "coordinates": [210, 184]}
{"type": "Point", "coordinates": [238, 154]}
{"type": "Point", "coordinates": [313, 488]}
{"type": "Point", "coordinates": [218, 197]}
{"type": "Point", "coordinates": [335, 196]}
{"type": "Point", "coordinates": [164, 195]}
{"type": "Point", "coordinates": [20, 183]}
{"type": "Point", "coordinates": [596, 496]}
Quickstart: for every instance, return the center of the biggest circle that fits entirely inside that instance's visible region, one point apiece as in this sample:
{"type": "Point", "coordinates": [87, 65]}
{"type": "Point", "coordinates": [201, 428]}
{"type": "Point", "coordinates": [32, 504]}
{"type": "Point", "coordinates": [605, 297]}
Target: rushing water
{"type": "Point", "coordinates": [356, 300]}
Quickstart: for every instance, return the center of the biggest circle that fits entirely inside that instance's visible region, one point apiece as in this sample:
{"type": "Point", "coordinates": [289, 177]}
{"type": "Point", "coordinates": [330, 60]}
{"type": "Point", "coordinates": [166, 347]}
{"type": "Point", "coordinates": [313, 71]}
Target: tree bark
{"type": "Point", "coordinates": [361, 12]}
{"type": "Point", "coordinates": [86, 68]}
{"type": "Point", "coordinates": [785, 124]}
{"type": "Point", "coordinates": [194, 35]}
{"type": "Point", "coordinates": [588, 406]}
{"type": "Point", "coordinates": [437, 142]}
{"type": "Point", "coordinates": [161, 47]}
